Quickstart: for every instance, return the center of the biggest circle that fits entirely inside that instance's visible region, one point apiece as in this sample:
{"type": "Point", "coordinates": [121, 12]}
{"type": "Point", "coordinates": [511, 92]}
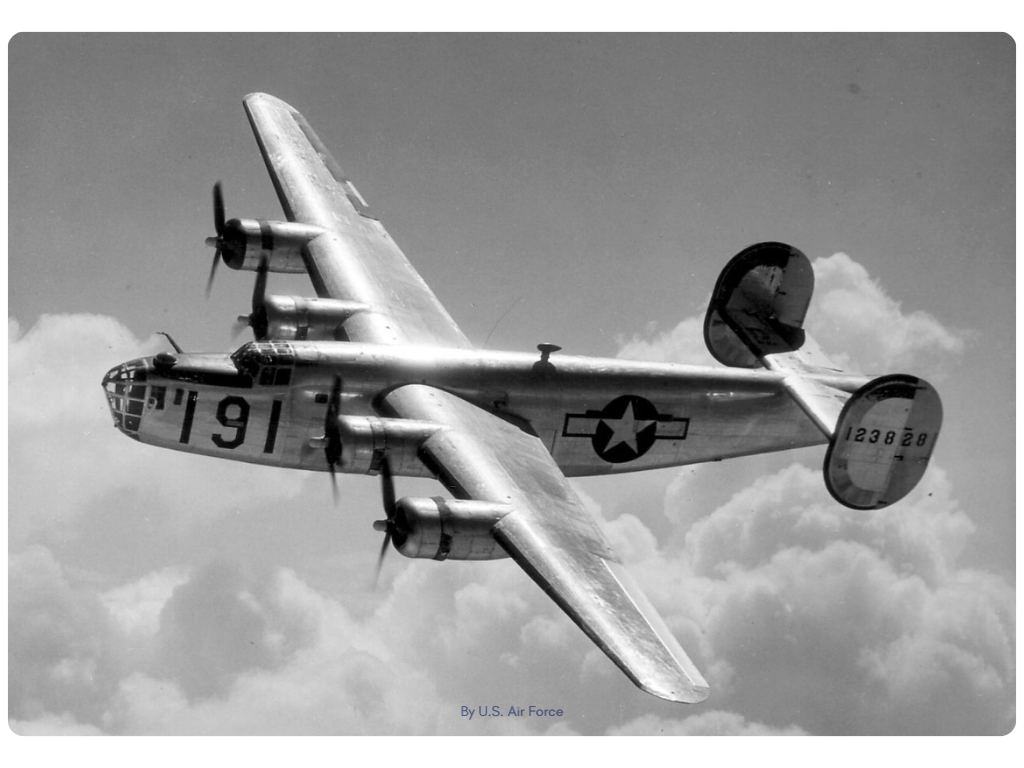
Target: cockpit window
{"type": "Point", "coordinates": [246, 359]}
{"type": "Point", "coordinates": [270, 362]}
{"type": "Point", "coordinates": [272, 376]}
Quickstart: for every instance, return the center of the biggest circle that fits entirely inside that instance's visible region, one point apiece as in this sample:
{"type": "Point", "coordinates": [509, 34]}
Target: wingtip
{"type": "Point", "coordinates": [664, 670]}
{"type": "Point", "coordinates": [695, 695]}
{"type": "Point", "coordinates": [688, 692]}
{"type": "Point", "coordinates": [258, 96]}
{"type": "Point", "coordinates": [694, 689]}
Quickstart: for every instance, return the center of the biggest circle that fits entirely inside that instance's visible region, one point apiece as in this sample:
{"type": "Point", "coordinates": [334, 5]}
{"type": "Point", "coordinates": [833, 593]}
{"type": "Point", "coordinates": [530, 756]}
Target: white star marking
{"type": "Point", "coordinates": [624, 429]}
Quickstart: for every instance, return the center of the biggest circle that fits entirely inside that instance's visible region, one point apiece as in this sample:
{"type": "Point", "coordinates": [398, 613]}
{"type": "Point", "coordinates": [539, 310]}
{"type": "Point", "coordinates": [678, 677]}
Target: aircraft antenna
{"type": "Point", "coordinates": [503, 314]}
{"type": "Point", "coordinates": [173, 342]}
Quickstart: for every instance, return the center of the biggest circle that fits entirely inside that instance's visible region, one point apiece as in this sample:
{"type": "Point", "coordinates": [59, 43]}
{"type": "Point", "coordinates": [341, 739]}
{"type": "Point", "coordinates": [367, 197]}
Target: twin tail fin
{"type": "Point", "coordinates": [881, 432]}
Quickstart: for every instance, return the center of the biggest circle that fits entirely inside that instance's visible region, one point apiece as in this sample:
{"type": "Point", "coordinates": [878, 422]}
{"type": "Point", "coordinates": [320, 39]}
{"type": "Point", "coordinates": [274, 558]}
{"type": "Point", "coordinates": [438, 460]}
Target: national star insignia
{"type": "Point", "coordinates": [625, 428]}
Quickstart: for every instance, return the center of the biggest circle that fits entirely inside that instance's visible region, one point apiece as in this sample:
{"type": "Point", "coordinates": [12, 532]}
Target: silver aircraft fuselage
{"type": "Point", "coordinates": [266, 403]}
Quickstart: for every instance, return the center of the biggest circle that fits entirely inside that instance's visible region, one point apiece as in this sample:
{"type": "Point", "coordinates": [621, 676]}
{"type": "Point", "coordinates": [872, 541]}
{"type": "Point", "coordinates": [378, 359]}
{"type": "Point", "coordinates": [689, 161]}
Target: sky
{"type": "Point", "coordinates": [584, 190]}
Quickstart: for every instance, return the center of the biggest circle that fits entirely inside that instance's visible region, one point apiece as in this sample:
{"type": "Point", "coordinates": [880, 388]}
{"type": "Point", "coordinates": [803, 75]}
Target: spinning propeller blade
{"type": "Point", "coordinates": [257, 319]}
{"type": "Point", "coordinates": [218, 241]}
{"type": "Point", "coordinates": [332, 434]}
{"type": "Point", "coordinates": [387, 492]}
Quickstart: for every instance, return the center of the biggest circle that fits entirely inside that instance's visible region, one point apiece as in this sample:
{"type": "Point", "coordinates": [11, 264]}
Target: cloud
{"type": "Point", "coordinates": [136, 607]}
{"type": "Point", "coordinates": [682, 344]}
{"type": "Point", "coordinates": [855, 320]}
{"type": "Point", "coordinates": [789, 509]}
{"type": "Point", "coordinates": [714, 723]}
{"type": "Point", "coordinates": [64, 657]}
{"type": "Point", "coordinates": [152, 592]}
{"type": "Point", "coordinates": [56, 414]}
{"type": "Point", "coordinates": [54, 725]}
{"type": "Point", "coordinates": [280, 658]}
{"type": "Point", "coordinates": [70, 461]}
{"type": "Point", "coordinates": [865, 615]}
{"type": "Point", "coordinates": [55, 367]}
{"type": "Point", "coordinates": [874, 646]}
{"type": "Point", "coordinates": [219, 625]}
{"type": "Point", "coordinates": [263, 653]}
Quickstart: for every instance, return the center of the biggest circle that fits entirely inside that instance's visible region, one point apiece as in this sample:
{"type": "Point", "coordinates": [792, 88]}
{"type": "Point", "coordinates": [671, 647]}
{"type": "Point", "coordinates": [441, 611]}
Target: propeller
{"type": "Point", "coordinates": [257, 320]}
{"type": "Point", "coordinates": [333, 453]}
{"type": "Point", "coordinates": [218, 241]}
{"type": "Point", "coordinates": [332, 434]}
{"type": "Point", "coordinates": [386, 526]}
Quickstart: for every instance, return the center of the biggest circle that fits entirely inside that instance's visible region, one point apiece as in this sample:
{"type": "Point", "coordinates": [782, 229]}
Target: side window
{"type": "Point", "coordinates": [273, 376]}
{"type": "Point", "coordinates": [156, 397]}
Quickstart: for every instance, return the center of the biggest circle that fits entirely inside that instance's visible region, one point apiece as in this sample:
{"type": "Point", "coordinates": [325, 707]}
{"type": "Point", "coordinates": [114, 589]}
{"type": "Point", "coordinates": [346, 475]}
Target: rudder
{"type": "Point", "coordinates": [881, 432]}
{"type": "Point", "coordinates": [758, 305]}
{"type": "Point", "coordinates": [883, 441]}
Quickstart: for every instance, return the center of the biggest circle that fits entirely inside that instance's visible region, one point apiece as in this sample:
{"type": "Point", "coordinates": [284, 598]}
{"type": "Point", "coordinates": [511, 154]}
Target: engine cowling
{"type": "Point", "coordinates": [298, 318]}
{"type": "Point", "coordinates": [245, 242]}
{"type": "Point", "coordinates": [365, 439]}
{"type": "Point", "coordinates": [448, 529]}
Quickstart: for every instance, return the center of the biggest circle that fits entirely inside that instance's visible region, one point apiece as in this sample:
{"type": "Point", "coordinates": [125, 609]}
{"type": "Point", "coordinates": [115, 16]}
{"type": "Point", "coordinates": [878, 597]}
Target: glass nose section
{"type": "Point", "coordinates": [125, 387]}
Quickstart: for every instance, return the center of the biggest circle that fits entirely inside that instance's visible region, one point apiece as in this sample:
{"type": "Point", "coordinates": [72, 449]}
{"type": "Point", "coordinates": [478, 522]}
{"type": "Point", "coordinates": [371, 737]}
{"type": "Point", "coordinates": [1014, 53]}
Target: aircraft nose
{"type": "Point", "coordinates": [125, 388]}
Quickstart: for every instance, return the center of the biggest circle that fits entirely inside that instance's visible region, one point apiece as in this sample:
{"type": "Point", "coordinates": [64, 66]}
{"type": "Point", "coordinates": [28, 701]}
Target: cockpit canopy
{"type": "Point", "coordinates": [133, 386]}
{"type": "Point", "coordinates": [268, 362]}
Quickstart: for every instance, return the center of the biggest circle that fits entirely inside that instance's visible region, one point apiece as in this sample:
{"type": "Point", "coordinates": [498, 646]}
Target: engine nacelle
{"type": "Point", "coordinates": [245, 242]}
{"type": "Point", "coordinates": [448, 529]}
{"type": "Point", "coordinates": [365, 439]}
{"type": "Point", "coordinates": [298, 318]}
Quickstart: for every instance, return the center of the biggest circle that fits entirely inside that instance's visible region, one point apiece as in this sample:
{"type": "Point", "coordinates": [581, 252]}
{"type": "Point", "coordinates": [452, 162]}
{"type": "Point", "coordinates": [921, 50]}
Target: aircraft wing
{"type": "Point", "coordinates": [551, 535]}
{"type": "Point", "coordinates": [477, 455]}
{"type": "Point", "coordinates": [355, 260]}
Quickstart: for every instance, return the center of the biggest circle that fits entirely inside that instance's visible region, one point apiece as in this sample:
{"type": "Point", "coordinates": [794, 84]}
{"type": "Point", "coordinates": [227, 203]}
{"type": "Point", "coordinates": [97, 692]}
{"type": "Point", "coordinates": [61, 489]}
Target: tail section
{"type": "Point", "coordinates": [882, 442]}
{"type": "Point", "coordinates": [881, 432]}
{"type": "Point", "coordinates": [759, 304]}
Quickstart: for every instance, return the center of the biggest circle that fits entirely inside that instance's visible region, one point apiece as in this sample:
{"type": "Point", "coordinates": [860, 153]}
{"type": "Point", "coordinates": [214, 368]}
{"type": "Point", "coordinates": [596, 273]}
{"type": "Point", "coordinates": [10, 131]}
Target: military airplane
{"type": "Point", "coordinates": [373, 376]}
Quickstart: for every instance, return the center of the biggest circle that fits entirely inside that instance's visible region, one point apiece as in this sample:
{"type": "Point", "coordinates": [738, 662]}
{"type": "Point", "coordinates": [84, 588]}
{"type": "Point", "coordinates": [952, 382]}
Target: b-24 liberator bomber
{"type": "Point", "coordinates": [372, 376]}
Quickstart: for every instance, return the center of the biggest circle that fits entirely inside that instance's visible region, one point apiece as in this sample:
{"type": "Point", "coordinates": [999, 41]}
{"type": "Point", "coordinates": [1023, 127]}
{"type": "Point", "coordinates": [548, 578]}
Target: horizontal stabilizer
{"type": "Point", "coordinates": [881, 432]}
{"type": "Point", "coordinates": [883, 441]}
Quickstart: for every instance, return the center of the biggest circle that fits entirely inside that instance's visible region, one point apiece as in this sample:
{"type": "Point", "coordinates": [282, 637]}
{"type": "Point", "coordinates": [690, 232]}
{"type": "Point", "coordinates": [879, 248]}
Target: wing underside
{"type": "Point", "coordinates": [355, 260]}
{"type": "Point", "coordinates": [551, 536]}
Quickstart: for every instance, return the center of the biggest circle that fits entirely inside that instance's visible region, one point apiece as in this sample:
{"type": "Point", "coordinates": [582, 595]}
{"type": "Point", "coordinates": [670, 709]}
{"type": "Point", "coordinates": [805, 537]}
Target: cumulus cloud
{"type": "Point", "coordinates": [835, 623]}
{"type": "Point", "coordinates": [56, 364]}
{"type": "Point", "coordinates": [249, 653]}
{"type": "Point", "coordinates": [63, 653]}
{"type": "Point", "coordinates": [859, 324]}
{"type": "Point", "coordinates": [789, 509]}
{"type": "Point", "coordinates": [280, 659]}
{"type": "Point", "coordinates": [864, 615]}
{"type": "Point", "coordinates": [149, 596]}
{"type": "Point", "coordinates": [53, 725]}
{"type": "Point", "coordinates": [219, 624]}
{"type": "Point", "coordinates": [682, 344]}
{"type": "Point", "coordinates": [69, 459]}
{"type": "Point", "coordinates": [136, 607]}
{"type": "Point", "coordinates": [713, 723]}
